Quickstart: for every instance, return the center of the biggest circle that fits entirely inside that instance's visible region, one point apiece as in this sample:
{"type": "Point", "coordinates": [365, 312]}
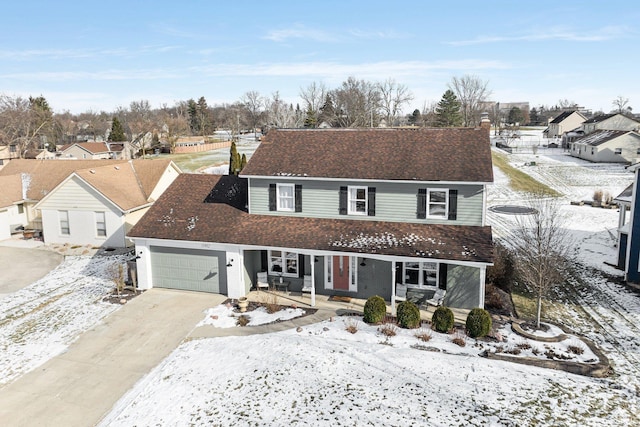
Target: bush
{"type": "Point", "coordinates": [374, 309]}
{"type": "Point", "coordinates": [478, 323]}
{"type": "Point", "coordinates": [502, 272]}
{"type": "Point", "coordinates": [408, 315]}
{"type": "Point", "coordinates": [442, 319]}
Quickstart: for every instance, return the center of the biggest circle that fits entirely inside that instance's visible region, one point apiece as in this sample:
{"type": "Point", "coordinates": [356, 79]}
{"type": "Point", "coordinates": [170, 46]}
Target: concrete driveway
{"type": "Point", "coordinates": [20, 267]}
{"type": "Point", "coordinates": [79, 387]}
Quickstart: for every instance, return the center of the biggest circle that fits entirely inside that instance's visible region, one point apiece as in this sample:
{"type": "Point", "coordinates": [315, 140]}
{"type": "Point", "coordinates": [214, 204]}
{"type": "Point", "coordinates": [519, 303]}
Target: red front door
{"type": "Point", "coordinates": [341, 273]}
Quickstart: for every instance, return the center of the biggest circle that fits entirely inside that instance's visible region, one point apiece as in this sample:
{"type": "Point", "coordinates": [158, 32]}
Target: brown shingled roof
{"type": "Point", "coordinates": [91, 147]}
{"type": "Point", "coordinates": [459, 154]}
{"type": "Point", "coordinates": [11, 190]}
{"type": "Point", "coordinates": [182, 213]}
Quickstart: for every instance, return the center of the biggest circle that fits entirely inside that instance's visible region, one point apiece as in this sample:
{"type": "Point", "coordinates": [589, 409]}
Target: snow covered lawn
{"type": "Point", "coordinates": [42, 320]}
{"type": "Point", "coordinates": [325, 375]}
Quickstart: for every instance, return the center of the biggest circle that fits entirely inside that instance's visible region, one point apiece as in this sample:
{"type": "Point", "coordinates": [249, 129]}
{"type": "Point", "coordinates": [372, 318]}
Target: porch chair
{"type": "Point", "coordinates": [306, 285]}
{"type": "Point", "coordinates": [400, 294]}
{"type": "Point", "coordinates": [438, 297]}
{"type": "Point", "coordinates": [262, 280]}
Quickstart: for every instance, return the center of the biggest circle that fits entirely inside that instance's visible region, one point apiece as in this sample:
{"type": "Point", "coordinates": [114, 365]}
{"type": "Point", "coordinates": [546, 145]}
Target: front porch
{"type": "Point", "coordinates": [323, 302]}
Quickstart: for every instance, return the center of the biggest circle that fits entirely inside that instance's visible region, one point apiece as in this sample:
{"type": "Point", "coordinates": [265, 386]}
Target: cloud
{"type": "Point", "coordinates": [300, 32]}
{"type": "Point", "coordinates": [380, 35]}
{"type": "Point", "coordinates": [61, 76]}
{"type": "Point", "coordinates": [35, 54]}
{"type": "Point", "coordinates": [560, 34]}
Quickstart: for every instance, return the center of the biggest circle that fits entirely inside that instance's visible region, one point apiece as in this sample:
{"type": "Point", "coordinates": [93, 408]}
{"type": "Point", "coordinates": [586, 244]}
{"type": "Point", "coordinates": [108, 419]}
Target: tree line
{"type": "Point", "coordinates": [31, 124]}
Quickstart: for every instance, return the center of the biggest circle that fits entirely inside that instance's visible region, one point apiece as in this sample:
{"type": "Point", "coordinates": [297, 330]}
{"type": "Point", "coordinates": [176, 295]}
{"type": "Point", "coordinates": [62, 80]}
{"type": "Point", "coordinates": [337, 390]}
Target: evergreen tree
{"type": "Point", "coordinates": [235, 160]}
{"type": "Point", "coordinates": [414, 118]}
{"type": "Point", "coordinates": [515, 116]}
{"type": "Point", "coordinates": [192, 110]}
{"type": "Point", "coordinates": [448, 111]}
{"type": "Point", "coordinates": [534, 119]}
{"type": "Point", "coordinates": [117, 131]}
{"type": "Point", "coordinates": [327, 111]}
{"type": "Point", "coordinates": [243, 162]}
{"type": "Point", "coordinates": [202, 116]}
{"type": "Point", "coordinates": [310, 119]}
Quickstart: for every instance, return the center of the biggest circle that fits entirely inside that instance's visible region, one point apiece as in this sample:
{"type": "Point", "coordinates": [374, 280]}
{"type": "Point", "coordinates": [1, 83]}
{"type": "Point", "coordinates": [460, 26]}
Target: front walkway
{"type": "Point", "coordinates": [78, 387]}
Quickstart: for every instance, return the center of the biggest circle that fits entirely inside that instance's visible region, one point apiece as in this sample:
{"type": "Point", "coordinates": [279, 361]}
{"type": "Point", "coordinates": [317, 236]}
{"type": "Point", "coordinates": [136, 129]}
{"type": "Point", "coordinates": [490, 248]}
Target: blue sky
{"type": "Point", "coordinates": [101, 55]}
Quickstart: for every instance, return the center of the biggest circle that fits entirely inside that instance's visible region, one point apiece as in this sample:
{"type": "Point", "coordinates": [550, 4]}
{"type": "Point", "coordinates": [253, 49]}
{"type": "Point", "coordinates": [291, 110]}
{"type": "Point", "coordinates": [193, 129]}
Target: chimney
{"type": "Point", "coordinates": [485, 123]}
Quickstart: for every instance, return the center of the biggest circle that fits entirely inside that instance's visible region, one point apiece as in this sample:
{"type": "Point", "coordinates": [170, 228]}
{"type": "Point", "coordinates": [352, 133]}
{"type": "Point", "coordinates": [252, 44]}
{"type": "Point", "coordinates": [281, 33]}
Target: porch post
{"type": "Point", "coordinates": [313, 280]}
{"type": "Point", "coordinates": [393, 287]}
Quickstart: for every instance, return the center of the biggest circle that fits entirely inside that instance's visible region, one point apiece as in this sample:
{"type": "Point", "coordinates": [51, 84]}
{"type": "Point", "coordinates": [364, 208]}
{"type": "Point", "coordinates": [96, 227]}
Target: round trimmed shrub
{"type": "Point", "coordinates": [408, 315]}
{"type": "Point", "coordinates": [478, 323]}
{"type": "Point", "coordinates": [442, 319]}
{"type": "Point", "coordinates": [374, 309]}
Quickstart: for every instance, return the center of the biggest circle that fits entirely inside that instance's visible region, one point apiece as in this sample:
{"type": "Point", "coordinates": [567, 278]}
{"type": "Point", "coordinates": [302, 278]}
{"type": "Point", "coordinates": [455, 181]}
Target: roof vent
{"type": "Point", "coordinates": [117, 168]}
{"type": "Point", "coordinates": [92, 171]}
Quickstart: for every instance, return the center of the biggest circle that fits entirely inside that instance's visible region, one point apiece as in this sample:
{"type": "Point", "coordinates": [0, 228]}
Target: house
{"type": "Point", "coordinates": [566, 121]}
{"type": "Point", "coordinates": [12, 212]}
{"type": "Point", "coordinates": [352, 212]}
{"type": "Point", "coordinates": [611, 146]}
{"type": "Point", "coordinates": [91, 150]}
{"type": "Point", "coordinates": [84, 201]}
{"type": "Point", "coordinates": [624, 201]}
{"type": "Point", "coordinates": [614, 121]}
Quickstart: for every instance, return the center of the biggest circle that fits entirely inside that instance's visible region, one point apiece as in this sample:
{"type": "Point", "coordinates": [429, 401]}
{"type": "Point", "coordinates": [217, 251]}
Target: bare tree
{"type": "Point", "coordinates": [174, 123]}
{"type": "Point", "coordinates": [393, 96]}
{"type": "Point", "coordinates": [471, 92]}
{"type": "Point", "coordinates": [23, 122]}
{"type": "Point", "coordinates": [314, 97]}
{"type": "Point", "coordinates": [621, 105]}
{"type": "Point", "coordinates": [141, 122]}
{"type": "Point", "coordinates": [253, 103]}
{"type": "Point", "coordinates": [565, 104]}
{"type": "Point", "coordinates": [541, 247]}
{"type": "Point", "coordinates": [356, 103]}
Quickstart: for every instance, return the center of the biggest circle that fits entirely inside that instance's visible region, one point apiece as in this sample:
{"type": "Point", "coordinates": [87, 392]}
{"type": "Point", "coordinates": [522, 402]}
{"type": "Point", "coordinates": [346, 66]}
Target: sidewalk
{"type": "Point", "coordinates": [79, 387]}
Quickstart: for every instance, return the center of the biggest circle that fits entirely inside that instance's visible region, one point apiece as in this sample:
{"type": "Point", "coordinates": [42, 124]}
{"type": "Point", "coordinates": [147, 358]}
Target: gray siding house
{"type": "Point", "coordinates": [348, 212]}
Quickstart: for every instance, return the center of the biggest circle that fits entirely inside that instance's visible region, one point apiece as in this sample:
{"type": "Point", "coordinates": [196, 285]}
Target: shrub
{"type": "Point", "coordinates": [442, 319]}
{"type": "Point", "coordinates": [351, 326]}
{"type": "Point", "coordinates": [423, 334]}
{"type": "Point", "coordinates": [242, 320]}
{"type": "Point", "coordinates": [374, 309]}
{"type": "Point", "coordinates": [502, 272]}
{"type": "Point", "coordinates": [408, 315]}
{"type": "Point", "coordinates": [388, 330]}
{"type": "Point", "coordinates": [478, 323]}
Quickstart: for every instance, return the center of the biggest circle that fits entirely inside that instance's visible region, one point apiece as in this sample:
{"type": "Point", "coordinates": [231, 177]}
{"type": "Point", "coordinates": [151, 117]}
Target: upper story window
{"type": "Point", "coordinates": [357, 203]}
{"type": "Point", "coordinates": [21, 208]}
{"type": "Point", "coordinates": [285, 197]}
{"type": "Point", "coordinates": [63, 216]}
{"type": "Point", "coordinates": [283, 263]}
{"type": "Point", "coordinates": [437, 203]}
{"type": "Point", "coordinates": [357, 200]}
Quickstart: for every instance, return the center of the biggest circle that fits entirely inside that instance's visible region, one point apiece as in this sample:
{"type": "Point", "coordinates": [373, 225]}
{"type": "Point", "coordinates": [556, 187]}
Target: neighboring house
{"type": "Point", "coordinates": [91, 150]}
{"type": "Point", "coordinates": [562, 123]}
{"type": "Point", "coordinates": [8, 152]}
{"type": "Point", "coordinates": [350, 212]}
{"type": "Point", "coordinates": [615, 121]}
{"type": "Point", "coordinates": [99, 206]}
{"type": "Point", "coordinates": [12, 211]}
{"type": "Point", "coordinates": [114, 190]}
{"type": "Point", "coordinates": [611, 146]}
{"type": "Point", "coordinates": [624, 201]}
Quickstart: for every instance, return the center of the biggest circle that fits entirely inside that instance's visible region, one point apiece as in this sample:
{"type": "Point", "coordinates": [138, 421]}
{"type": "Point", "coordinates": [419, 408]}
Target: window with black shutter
{"type": "Point", "coordinates": [422, 203]}
{"type": "Point", "coordinates": [343, 201]}
{"type": "Point", "coordinates": [453, 205]}
{"type": "Point", "coordinates": [272, 197]}
{"type": "Point", "coordinates": [371, 201]}
{"type": "Point", "coordinates": [298, 198]}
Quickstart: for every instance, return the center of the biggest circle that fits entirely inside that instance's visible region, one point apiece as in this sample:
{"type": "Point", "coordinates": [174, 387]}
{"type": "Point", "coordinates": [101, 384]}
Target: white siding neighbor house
{"type": "Point", "coordinates": [98, 206]}
{"type": "Point", "coordinates": [610, 146]}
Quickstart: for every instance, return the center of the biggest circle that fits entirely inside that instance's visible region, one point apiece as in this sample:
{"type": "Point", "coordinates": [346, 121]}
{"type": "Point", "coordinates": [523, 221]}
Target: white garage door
{"type": "Point", "coordinates": [189, 269]}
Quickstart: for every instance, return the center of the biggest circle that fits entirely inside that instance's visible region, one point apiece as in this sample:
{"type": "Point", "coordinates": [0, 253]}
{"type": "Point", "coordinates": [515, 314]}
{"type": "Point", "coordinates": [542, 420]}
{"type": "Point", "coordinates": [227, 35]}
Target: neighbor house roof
{"type": "Point", "coordinates": [460, 154]}
{"type": "Point", "coordinates": [603, 117]}
{"type": "Point", "coordinates": [562, 116]}
{"type": "Point", "coordinates": [45, 175]}
{"type": "Point", "coordinates": [207, 208]}
{"type": "Point", "coordinates": [91, 147]}
{"type": "Point", "coordinates": [626, 195]}
{"type": "Point", "coordinates": [11, 190]}
{"type": "Point", "coordinates": [599, 137]}
{"type": "Point", "coordinates": [127, 183]}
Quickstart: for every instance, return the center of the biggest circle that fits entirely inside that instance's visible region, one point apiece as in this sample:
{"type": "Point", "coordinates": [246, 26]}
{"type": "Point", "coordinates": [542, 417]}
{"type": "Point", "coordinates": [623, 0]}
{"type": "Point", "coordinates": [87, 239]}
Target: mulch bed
{"type": "Point", "coordinates": [339, 298]}
{"type": "Point", "coordinates": [271, 308]}
{"type": "Point", "coordinates": [122, 298]}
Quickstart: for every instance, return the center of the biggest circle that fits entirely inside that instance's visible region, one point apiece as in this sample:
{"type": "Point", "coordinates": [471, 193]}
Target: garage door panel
{"type": "Point", "coordinates": [189, 269]}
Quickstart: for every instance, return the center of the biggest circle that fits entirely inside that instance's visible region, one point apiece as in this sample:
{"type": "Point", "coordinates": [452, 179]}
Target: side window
{"type": "Point", "coordinates": [101, 224]}
{"type": "Point", "coordinates": [63, 217]}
